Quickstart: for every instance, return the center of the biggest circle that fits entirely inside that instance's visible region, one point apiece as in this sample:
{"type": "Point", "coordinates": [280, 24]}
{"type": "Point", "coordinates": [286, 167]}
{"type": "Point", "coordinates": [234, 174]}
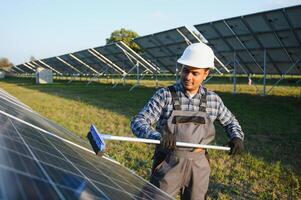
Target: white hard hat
{"type": "Point", "coordinates": [198, 55]}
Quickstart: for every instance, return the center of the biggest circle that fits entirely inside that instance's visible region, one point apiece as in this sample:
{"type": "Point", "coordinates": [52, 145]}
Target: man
{"type": "Point", "coordinates": [185, 112]}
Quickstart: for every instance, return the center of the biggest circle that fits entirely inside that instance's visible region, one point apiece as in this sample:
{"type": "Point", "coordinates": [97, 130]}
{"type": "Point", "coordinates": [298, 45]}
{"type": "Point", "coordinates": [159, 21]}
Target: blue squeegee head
{"type": "Point", "coordinates": [96, 141]}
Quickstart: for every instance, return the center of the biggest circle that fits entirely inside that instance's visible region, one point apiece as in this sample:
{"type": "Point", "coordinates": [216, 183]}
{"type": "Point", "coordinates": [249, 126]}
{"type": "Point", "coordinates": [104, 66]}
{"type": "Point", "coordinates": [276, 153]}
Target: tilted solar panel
{"type": "Point", "coordinates": [164, 48]}
{"type": "Point", "coordinates": [25, 69]}
{"type": "Point", "coordinates": [41, 160]}
{"type": "Point", "coordinates": [276, 32]}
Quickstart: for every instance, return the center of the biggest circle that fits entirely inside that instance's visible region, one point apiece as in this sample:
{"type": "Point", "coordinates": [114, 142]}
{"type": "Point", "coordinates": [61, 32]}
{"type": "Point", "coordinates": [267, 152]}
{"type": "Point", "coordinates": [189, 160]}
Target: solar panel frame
{"type": "Point", "coordinates": [278, 29]}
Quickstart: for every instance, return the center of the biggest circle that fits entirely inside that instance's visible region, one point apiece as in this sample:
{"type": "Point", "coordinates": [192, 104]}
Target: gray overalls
{"type": "Point", "coordinates": [183, 169]}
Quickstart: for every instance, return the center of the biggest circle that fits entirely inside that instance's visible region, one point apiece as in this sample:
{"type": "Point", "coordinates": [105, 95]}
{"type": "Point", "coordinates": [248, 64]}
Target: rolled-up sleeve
{"type": "Point", "coordinates": [228, 121]}
{"type": "Point", "coordinates": [142, 124]}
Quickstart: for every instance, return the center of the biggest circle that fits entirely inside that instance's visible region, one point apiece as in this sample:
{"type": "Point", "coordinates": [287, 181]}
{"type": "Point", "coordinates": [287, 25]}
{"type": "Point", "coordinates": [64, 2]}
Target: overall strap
{"type": "Point", "coordinates": [203, 101]}
{"type": "Point", "coordinates": [175, 99]}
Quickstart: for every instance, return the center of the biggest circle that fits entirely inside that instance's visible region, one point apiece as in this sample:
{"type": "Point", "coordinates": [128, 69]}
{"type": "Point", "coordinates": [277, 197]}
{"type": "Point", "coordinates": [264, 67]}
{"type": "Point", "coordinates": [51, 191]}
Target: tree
{"type": "Point", "coordinates": [5, 63]}
{"type": "Point", "coordinates": [125, 36]}
{"type": "Point", "coordinates": [32, 58]}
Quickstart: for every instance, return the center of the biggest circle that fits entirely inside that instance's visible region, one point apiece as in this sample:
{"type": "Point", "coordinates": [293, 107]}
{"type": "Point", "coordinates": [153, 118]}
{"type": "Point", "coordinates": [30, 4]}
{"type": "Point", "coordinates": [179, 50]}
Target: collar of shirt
{"type": "Point", "coordinates": [180, 87]}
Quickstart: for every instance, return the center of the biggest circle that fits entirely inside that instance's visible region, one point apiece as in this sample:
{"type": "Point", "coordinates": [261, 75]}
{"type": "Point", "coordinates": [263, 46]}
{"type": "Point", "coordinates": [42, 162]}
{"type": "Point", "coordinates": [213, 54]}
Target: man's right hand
{"type": "Point", "coordinates": [168, 141]}
{"type": "Point", "coordinates": [236, 145]}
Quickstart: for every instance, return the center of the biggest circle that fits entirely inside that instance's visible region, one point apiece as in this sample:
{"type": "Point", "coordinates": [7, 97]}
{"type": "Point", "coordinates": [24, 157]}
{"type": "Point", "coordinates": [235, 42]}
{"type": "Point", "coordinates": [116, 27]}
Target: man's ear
{"type": "Point", "coordinates": [206, 73]}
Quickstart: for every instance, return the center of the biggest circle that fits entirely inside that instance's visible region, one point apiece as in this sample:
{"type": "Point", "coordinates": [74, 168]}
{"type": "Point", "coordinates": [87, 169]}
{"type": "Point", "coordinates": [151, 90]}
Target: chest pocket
{"type": "Point", "coordinates": [190, 126]}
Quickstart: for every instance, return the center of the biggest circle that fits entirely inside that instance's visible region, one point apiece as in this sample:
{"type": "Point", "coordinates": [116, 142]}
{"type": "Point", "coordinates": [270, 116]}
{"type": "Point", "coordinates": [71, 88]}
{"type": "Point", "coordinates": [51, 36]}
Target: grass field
{"type": "Point", "coordinates": [269, 168]}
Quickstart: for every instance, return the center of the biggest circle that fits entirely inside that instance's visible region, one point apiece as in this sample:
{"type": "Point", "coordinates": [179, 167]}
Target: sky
{"type": "Point", "coordinates": [46, 28]}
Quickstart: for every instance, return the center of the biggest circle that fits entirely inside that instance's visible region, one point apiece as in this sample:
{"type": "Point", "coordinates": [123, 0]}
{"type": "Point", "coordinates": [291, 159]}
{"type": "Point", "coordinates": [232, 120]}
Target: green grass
{"type": "Point", "coordinates": [269, 169]}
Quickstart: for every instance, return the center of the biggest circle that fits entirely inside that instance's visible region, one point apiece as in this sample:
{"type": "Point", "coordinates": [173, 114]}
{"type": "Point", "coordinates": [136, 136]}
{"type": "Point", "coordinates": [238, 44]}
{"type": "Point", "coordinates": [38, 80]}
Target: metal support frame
{"type": "Point", "coordinates": [144, 62]}
{"type": "Point", "coordinates": [13, 70]}
{"type": "Point", "coordinates": [243, 69]}
{"type": "Point", "coordinates": [19, 69]}
{"type": "Point", "coordinates": [259, 42]}
{"type": "Point", "coordinates": [129, 53]}
{"type": "Point", "coordinates": [138, 77]}
{"type": "Point", "coordinates": [106, 61]}
{"type": "Point", "coordinates": [227, 43]}
{"type": "Point", "coordinates": [271, 26]}
{"type": "Point", "coordinates": [264, 73]}
{"type": "Point", "coordinates": [234, 73]}
{"type": "Point", "coordinates": [242, 44]}
{"type": "Point", "coordinates": [83, 63]}
{"type": "Point", "coordinates": [48, 66]}
{"type": "Point", "coordinates": [29, 67]}
{"type": "Point", "coordinates": [283, 76]}
{"type": "Point", "coordinates": [189, 42]}
{"type": "Point", "coordinates": [68, 64]}
{"type": "Point", "coordinates": [185, 38]}
{"type": "Point", "coordinates": [218, 60]}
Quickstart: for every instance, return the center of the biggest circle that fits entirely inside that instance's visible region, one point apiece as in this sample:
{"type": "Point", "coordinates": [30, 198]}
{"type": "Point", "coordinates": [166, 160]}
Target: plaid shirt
{"type": "Point", "coordinates": [160, 106]}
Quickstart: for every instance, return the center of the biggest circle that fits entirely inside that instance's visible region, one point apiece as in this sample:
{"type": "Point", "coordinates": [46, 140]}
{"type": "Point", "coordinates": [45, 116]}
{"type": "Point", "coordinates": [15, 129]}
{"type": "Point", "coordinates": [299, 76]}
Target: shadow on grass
{"type": "Point", "coordinates": [271, 124]}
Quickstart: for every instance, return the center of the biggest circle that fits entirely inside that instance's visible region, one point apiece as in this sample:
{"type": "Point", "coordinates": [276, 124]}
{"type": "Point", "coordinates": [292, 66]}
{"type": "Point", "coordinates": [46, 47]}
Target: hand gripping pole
{"type": "Point", "coordinates": [97, 141]}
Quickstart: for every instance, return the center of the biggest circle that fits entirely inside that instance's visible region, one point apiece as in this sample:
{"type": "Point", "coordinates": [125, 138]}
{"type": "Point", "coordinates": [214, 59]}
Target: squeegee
{"type": "Point", "coordinates": [97, 141]}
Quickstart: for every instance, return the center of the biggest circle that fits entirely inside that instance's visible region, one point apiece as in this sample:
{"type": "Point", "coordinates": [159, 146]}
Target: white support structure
{"type": "Point", "coordinates": [32, 66]}
{"type": "Point", "coordinates": [48, 66]}
{"type": "Point", "coordinates": [18, 68]}
{"type": "Point", "coordinates": [107, 61]}
{"type": "Point", "coordinates": [154, 69]}
{"type": "Point", "coordinates": [185, 38]}
{"type": "Point", "coordinates": [138, 77]}
{"type": "Point", "coordinates": [86, 65]}
{"type": "Point", "coordinates": [69, 65]}
{"type": "Point", "coordinates": [29, 67]}
{"type": "Point", "coordinates": [130, 56]}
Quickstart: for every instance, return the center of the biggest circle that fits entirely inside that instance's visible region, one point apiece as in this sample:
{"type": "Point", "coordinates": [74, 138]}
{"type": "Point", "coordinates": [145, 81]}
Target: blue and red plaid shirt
{"type": "Point", "coordinates": [160, 106]}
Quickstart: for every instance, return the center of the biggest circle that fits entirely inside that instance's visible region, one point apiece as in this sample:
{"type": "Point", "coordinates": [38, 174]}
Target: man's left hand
{"type": "Point", "coordinates": [236, 145]}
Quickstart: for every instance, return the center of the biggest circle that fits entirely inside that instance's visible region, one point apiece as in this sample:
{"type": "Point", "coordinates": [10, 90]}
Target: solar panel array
{"type": "Point", "coordinates": [250, 41]}
{"type": "Point", "coordinates": [278, 32]}
{"type": "Point", "coordinates": [115, 58]}
{"type": "Point", "coordinates": [41, 160]}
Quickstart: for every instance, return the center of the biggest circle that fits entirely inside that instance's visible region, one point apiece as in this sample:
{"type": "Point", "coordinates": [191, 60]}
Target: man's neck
{"type": "Point", "coordinates": [191, 93]}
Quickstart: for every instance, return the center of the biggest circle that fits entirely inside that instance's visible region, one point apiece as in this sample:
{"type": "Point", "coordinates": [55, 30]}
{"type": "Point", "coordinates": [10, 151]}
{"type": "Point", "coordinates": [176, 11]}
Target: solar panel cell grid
{"type": "Point", "coordinates": [42, 166]}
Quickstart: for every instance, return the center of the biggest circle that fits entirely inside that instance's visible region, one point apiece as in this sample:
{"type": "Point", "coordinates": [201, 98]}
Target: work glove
{"type": "Point", "coordinates": [168, 141]}
{"type": "Point", "coordinates": [236, 146]}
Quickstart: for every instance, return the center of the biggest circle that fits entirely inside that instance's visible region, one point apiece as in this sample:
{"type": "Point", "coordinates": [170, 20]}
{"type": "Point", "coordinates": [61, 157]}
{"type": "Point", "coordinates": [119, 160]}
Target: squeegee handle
{"type": "Point", "coordinates": [151, 141]}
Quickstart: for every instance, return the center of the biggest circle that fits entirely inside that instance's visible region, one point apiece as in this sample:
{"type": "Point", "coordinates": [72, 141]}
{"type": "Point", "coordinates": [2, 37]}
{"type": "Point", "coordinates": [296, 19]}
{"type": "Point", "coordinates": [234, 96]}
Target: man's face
{"type": "Point", "coordinates": [192, 78]}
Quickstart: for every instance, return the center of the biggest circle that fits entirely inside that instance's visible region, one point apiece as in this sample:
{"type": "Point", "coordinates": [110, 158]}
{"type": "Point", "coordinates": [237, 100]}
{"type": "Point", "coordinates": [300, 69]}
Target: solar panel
{"type": "Point", "coordinates": [276, 32]}
{"type": "Point", "coordinates": [41, 160]}
{"type": "Point", "coordinates": [61, 65]}
{"type": "Point", "coordinates": [18, 70]}
{"type": "Point", "coordinates": [25, 69]}
{"type": "Point", "coordinates": [78, 65]}
{"type": "Point", "coordinates": [99, 62]}
{"type": "Point", "coordinates": [164, 48]}
{"type": "Point", "coordinates": [120, 54]}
